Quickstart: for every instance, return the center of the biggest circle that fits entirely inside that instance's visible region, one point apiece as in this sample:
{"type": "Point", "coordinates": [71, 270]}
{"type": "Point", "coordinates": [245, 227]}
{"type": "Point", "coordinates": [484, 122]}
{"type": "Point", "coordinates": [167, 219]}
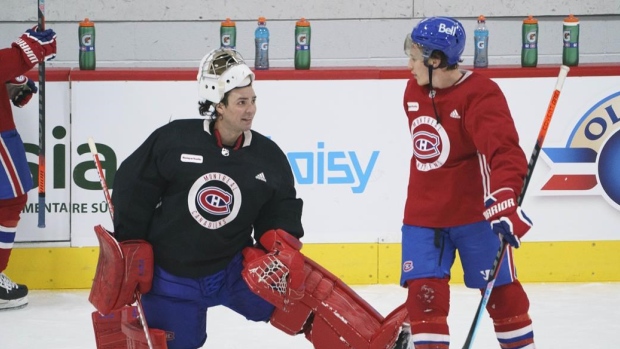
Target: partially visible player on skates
{"type": "Point", "coordinates": [29, 49]}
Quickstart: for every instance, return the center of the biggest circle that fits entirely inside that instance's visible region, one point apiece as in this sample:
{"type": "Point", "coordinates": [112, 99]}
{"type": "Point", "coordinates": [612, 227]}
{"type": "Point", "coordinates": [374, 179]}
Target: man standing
{"type": "Point", "coordinates": [15, 178]}
{"type": "Point", "coordinates": [466, 173]}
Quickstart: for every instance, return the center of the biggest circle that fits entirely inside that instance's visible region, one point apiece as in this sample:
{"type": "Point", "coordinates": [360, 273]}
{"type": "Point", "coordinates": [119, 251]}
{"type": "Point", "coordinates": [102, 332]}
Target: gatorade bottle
{"type": "Point", "coordinates": [529, 50]}
{"type": "Point", "coordinates": [481, 40]}
{"type": "Point", "coordinates": [570, 53]}
{"type": "Point", "coordinates": [261, 39]}
{"type": "Point", "coordinates": [86, 35]}
{"type": "Point", "coordinates": [228, 34]}
{"type": "Point", "coordinates": [302, 44]}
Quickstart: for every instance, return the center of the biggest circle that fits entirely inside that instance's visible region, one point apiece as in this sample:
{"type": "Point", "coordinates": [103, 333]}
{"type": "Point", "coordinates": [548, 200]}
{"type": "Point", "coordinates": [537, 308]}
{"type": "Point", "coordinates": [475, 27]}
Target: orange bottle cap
{"type": "Point", "coordinates": [86, 23]}
{"type": "Point", "coordinates": [530, 20]}
{"type": "Point", "coordinates": [571, 18]}
{"type": "Point", "coordinates": [481, 18]}
{"type": "Point", "coordinates": [262, 19]}
{"type": "Point", "coordinates": [302, 23]}
{"type": "Point", "coordinates": [228, 23]}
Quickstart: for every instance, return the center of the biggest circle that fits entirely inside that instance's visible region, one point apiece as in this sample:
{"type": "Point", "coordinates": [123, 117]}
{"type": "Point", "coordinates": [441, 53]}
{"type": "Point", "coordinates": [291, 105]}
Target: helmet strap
{"type": "Point", "coordinates": [432, 90]}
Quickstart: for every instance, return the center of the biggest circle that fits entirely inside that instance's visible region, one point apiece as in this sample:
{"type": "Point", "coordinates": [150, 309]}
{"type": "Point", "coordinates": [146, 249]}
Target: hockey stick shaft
{"type": "Point", "coordinates": [104, 186]}
{"type": "Point", "coordinates": [530, 169]}
{"type": "Point", "coordinates": [41, 184]}
{"type": "Point", "coordinates": [108, 199]}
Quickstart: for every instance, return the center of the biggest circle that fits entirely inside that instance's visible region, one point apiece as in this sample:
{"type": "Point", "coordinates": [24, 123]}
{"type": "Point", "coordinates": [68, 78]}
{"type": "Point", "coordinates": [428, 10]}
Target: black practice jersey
{"type": "Point", "coordinates": [199, 204]}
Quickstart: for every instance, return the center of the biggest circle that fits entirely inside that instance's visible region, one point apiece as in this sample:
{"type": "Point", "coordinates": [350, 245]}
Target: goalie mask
{"type": "Point", "coordinates": [222, 70]}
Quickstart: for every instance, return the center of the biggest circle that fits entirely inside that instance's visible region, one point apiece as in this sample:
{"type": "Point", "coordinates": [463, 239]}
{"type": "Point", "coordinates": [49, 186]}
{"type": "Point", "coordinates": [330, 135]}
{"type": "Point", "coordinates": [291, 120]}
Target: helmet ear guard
{"type": "Point", "coordinates": [220, 71]}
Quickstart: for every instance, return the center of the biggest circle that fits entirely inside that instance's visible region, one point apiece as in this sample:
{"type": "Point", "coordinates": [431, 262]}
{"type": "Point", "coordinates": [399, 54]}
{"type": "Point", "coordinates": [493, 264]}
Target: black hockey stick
{"type": "Point", "coordinates": [41, 27]}
{"type": "Point", "coordinates": [530, 169]}
{"type": "Point", "coordinates": [108, 199]}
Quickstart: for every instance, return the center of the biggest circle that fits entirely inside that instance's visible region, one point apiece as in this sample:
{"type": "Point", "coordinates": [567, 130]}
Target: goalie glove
{"type": "Point", "coordinates": [21, 90]}
{"type": "Point", "coordinates": [506, 217]}
{"type": "Point", "coordinates": [37, 46]}
{"type": "Point", "coordinates": [286, 248]}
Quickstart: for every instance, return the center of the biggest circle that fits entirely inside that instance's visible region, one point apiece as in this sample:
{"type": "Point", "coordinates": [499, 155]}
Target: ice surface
{"type": "Point", "coordinates": [566, 316]}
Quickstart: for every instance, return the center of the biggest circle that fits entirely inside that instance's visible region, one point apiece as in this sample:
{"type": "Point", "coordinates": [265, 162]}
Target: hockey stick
{"type": "Point", "coordinates": [104, 186]}
{"type": "Point", "coordinates": [530, 169]}
{"type": "Point", "coordinates": [41, 27]}
{"type": "Point", "coordinates": [108, 199]}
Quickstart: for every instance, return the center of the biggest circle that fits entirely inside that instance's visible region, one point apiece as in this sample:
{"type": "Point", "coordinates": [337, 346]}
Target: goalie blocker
{"type": "Point", "coordinates": [329, 313]}
{"type": "Point", "coordinates": [124, 271]}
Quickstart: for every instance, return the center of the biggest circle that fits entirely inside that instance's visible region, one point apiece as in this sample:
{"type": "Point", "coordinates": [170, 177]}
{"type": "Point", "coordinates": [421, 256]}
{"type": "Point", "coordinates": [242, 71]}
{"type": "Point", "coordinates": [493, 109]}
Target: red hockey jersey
{"type": "Point", "coordinates": [467, 150]}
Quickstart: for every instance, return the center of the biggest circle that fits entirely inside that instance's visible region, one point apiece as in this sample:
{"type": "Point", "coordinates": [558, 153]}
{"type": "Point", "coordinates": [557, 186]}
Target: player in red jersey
{"type": "Point", "coordinates": [15, 178]}
{"type": "Point", "coordinates": [466, 173]}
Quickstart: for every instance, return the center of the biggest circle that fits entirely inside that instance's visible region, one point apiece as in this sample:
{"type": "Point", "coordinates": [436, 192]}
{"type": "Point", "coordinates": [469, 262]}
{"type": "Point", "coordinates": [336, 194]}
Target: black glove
{"type": "Point", "coordinates": [21, 90]}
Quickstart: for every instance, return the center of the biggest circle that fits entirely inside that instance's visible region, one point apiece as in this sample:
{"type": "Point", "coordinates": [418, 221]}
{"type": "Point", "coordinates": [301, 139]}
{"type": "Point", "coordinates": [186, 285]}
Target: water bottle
{"type": "Point", "coordinates": [481, 40]}
{"type": "Point", "coordinates": [261, 39]}
{"type": "Point", "coordinates": [570, 53]}
{"type": "Point", "coordinates": [86, 36]}
{"type": "Point", "coordinates": [529, 50]}
{"type": "Point", "coordinates": [302, 44]}
{"type": "Point", "coordinates": [228, 34]}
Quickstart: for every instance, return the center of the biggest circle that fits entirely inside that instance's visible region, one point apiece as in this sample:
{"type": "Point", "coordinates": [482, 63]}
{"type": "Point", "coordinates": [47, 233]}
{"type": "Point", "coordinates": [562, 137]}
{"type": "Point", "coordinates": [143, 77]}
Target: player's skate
{"type": "Point", "coordinates": [404, 338]}
{"type": "Point", "coordinates": [12, 295]}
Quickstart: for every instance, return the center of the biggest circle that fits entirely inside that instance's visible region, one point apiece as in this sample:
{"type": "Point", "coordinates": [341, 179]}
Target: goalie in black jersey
{"type": "Point", "coordinates": [217, 203]}
{"type": "Point", "coordinates": [198, 190]}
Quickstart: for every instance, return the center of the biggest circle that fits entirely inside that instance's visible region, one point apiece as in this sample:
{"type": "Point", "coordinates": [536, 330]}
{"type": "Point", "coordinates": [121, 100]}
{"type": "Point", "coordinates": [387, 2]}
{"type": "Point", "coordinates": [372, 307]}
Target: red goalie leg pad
{"type": "Point", "coordinates": [428, 303]}
{"type": "Point", "coordinates": [134, 332]}
{"type": "Point", "coordinates": [122, 269]}
{"type": "Point", "coordinates": [292, 320]}
{"type": "Point", "coordinates": [342, 319]}
{"type": "Point", "coordinates": [508, 307]}
{"type": "Point", "coordinates": [390, 328]}
{"type": "Point", "coordinates": [108, 334]}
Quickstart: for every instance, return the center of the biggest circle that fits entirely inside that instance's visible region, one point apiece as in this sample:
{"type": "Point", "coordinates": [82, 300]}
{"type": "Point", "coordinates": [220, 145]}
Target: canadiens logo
{"type": "Point", "coordinates": [214, 200]}
{"type": "Point", "coordinates": [590, 161]}
{"type": "Point", "coordinates": [407, 266]}
{"type": "Point", "coordinates": [431, 145]}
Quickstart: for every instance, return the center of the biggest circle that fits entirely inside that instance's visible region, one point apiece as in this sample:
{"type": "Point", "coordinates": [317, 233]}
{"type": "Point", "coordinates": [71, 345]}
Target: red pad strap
{"type": "Point", "coordinates": [136, 339]}
{"type": "Point", "coordinates": [122, 269]}
{"type": "Point", "coordinates": [108, 334]}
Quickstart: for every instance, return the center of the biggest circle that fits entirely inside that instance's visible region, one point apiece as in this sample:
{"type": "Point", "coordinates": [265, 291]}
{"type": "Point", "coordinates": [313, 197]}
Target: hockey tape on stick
{"type": "Point", "coordinates": [530, 169]}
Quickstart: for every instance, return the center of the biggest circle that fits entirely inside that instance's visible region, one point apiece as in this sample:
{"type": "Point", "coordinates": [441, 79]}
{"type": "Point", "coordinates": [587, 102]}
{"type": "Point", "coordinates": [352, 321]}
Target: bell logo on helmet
{"type": "Point", "coordinates": [447, 30]}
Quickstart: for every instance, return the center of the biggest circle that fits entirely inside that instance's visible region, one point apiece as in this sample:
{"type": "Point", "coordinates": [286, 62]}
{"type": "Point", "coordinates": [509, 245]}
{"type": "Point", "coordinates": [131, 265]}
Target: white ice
{"type": "Point", "coordinates": [565, 315]}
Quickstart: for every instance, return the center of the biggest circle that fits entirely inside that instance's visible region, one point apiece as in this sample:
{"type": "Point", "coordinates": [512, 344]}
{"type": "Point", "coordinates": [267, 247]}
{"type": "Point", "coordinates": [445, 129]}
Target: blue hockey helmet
{"type": "Point", "coordinates": [444, 34]}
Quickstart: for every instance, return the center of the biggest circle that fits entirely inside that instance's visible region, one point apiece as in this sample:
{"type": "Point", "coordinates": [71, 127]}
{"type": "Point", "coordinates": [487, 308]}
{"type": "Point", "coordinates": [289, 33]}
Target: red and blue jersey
{"type": "Point", "coordinates": [462, 152]}
{"type": "Point", "coordinates": [15, 176]}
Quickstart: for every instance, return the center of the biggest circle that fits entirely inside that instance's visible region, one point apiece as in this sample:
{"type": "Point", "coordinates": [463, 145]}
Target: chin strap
{"type": "Point", "coordinates": [432, 90]}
